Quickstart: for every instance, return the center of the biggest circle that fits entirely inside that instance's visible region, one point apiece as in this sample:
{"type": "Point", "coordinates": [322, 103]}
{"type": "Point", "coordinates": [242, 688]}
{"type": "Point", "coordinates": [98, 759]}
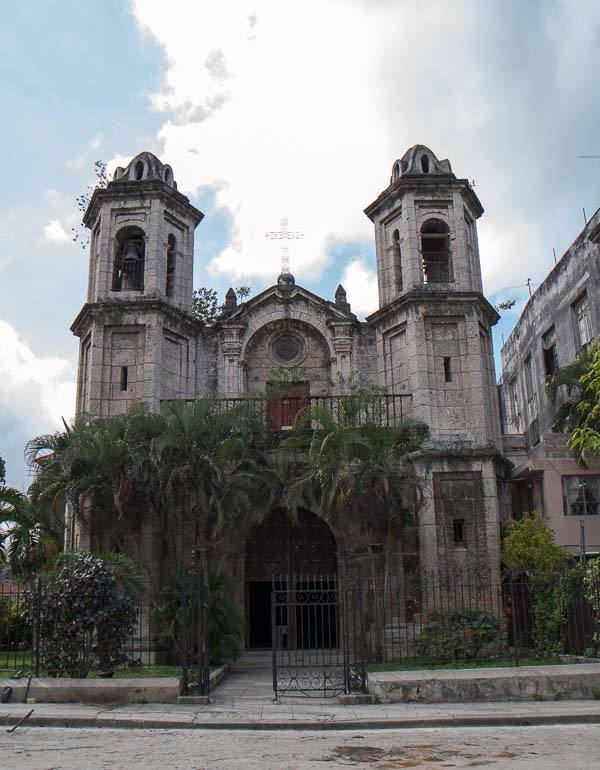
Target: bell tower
{"type": "Point", "coordinates": [433, 331]}
{"type": "Point", "coordinates": [434, 322]}
{"type": "Point", "coordinates": [137, 334]}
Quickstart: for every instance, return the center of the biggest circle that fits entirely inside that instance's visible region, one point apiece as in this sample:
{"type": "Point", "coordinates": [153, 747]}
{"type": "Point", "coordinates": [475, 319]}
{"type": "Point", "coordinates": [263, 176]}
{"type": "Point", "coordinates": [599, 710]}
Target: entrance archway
{"type": "Point", "coordinates": [277, 553]}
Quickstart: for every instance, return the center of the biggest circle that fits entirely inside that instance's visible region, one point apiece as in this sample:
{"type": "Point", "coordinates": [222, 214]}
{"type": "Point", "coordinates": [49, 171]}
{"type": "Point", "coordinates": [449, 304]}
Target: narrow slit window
{"type": "Point", "coordinates": [425, 164]}
{"type": "Point", "coordinates": [447, 369]}
{"type": "Point", "coordinates": [170, 284]}
{"type": "Point", "coordinates": [124, 377]}
{"type": "Point", "coordinates": [458, 531]}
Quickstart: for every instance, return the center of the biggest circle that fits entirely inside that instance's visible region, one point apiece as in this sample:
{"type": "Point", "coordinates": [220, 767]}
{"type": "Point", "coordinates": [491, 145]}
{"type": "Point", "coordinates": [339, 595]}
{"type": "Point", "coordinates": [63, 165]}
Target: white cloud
{"type": "Point", "coordinates": [41, 385]}
{"type": "Point", "coordinates": [36, 392]}
{"type": "Point", "coordinates": [299, 110]}
{"type": "Point", "coordinates": [55, 232]}
{"type": "Point", "coordinates": [361, 287]}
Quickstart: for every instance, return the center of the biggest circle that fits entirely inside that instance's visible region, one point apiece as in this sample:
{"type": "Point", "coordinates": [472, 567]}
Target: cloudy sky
{"type": "Point", "coordinates": [279, 108]}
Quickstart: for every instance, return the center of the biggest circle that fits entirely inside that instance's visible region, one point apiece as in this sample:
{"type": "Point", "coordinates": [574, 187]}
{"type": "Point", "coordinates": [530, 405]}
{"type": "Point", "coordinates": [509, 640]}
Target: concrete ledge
{"type": "Point", "coordinates": [103, 691]}
{"type": "Point", "coordinates": [567, 682]}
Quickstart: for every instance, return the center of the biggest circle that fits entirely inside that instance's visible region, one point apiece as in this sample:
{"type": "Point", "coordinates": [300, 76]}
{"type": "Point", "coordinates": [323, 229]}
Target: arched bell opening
{"type": "Point", "coordinates": [129, 262]}
{"type": "Point", "coordinates": [298, 559]}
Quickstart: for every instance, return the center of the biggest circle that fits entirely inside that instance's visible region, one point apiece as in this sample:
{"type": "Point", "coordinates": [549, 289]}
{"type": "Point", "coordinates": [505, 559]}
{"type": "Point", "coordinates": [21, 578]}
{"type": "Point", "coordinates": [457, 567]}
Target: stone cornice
{"type": "Point", "coordinates": [424, 183]}
{"type": "Point", "coordinates": [139, 190]}
{"type": "Point", "coordinates": [433, 297]}
{"type": "Point", "coordinates": [96, 309]}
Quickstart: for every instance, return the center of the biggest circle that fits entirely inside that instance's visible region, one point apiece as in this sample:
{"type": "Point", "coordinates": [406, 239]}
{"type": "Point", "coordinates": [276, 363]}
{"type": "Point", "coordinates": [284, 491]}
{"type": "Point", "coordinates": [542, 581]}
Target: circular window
{"type": "Point", "coordinates": [286, 349]}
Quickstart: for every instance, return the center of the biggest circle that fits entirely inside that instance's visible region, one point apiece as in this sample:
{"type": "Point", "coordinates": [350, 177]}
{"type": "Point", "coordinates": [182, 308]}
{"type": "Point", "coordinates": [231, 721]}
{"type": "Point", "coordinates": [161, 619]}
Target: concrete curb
{"type": "Point", "coordinates": [498, 720]}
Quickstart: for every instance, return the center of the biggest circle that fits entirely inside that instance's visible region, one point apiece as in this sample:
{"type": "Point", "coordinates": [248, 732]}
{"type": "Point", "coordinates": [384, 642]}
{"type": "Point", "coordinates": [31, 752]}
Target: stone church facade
{"type": "Point", "coordinates": [428, 347]}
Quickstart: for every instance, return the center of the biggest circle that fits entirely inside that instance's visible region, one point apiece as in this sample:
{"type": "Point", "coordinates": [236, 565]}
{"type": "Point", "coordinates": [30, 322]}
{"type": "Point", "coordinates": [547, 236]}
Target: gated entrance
{"type": "Point", "coordinates": [279, 546]}
{"type": "Point", "coordinates": [316, 640]}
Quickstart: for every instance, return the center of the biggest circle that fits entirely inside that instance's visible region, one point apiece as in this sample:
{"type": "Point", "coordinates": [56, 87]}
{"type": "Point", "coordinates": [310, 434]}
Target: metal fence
{"type": "Point", "coordinates": [328, 630]}
{"type": "Point", "coordinates": [23, 650]}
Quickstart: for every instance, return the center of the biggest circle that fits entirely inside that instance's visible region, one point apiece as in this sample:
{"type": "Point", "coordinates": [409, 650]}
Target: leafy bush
{"type": "Point", "coordinates": [84, 619]}
{"type": "Point", "coordinates": [15, 630]}
{"type": "Point", "coordinates": [224, 624]}
{"type": "Point", "coordinates": [461, 632]}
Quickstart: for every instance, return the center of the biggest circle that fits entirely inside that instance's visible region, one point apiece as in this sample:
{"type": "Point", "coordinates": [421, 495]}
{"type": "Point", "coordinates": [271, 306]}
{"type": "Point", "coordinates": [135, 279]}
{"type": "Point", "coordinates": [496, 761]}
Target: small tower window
{"type": "Point", "coordinates": [124, 377]}
{"type": "Point", "coordinates": [435, 248]}
{"type": "Point", "coordinates": [397, 252]}
{"type": "Point", "coordinates": [458, 531]}
{"type": "Point", "coordinates": [447, 369]}
{"type": "Point", "coordinates": [128, 271]}
{"type": "Point", "coordinates": [171, 256]}
{"type": "Point", "coordinates": [139, 170]}
{"type": "Point", "coordinates": [425, 164]}
{"type": "Point", "coordinates": [396, 171]}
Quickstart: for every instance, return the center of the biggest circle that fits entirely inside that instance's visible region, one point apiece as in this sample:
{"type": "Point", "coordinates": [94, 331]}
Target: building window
{"type": "Point", "coordinates": [549, 349]}
{"type": "Point", "coordinates": [435, 248]}
{"type": "Point", "coordinates": [139, 170]}
{"type": "Point", "coordinates": [425, 164]}
{"type": "Point", "coordinates": [515, 413]}
{"type": "Point", "coordinates": [530, 391]}
{"type": "Point", "coordinates": [581, 495]}
{"type": "Point", "coordinates": [171, 252]}
{"type": "Point", "coordinates": [447, 369]}
{"type": "Point", "coordinates": [458, 531]}
{"type": "Point", "coordinates": [581, 312]}
{"type": "Point", "coordinates": [124, 377]}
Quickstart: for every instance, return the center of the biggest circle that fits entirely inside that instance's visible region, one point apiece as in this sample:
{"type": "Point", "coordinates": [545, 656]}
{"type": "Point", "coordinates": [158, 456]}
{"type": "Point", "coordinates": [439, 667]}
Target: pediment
{"type": "Point", "coordinates": [278, 298]}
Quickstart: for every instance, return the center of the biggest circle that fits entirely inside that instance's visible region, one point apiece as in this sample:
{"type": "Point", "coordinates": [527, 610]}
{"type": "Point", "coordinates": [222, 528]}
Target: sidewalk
{"type": "Point", "coordinates": [244, 702]}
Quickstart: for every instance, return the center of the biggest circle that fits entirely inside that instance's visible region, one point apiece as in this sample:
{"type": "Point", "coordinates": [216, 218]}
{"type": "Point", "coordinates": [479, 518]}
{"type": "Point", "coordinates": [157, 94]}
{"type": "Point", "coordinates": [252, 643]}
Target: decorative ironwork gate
{"type": "Point", "coordinates": [316, 642]}
{"type": "Point", "coordinates": [195, 678]}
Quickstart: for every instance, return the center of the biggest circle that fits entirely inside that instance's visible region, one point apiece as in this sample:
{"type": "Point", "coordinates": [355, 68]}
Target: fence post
{"type": "Point", "coordinates": [36, 630]}
{"type": "Point", "coordinates": [184, 634]}
{"type": "Point", "coordinates": [513, 617]}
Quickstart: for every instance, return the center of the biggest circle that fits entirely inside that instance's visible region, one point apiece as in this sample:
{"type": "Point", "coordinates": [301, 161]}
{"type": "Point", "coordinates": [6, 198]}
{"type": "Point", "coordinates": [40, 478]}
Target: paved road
{"type": "Point", "coordinates": [494, 748]}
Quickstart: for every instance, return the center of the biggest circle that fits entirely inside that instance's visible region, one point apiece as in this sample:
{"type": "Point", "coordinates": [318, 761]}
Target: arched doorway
{"type": "Point", "coordinates": [279, 552]}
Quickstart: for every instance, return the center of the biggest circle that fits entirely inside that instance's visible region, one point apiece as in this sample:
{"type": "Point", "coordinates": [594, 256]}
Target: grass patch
{"type": "Point", "coordinates": [427, 664]}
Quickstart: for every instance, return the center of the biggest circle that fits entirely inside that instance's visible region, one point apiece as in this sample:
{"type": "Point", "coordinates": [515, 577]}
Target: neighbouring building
{"type": "Point", "coordinates": [559, 321]}
{"type": "Point", "coordinates": [428, 349]}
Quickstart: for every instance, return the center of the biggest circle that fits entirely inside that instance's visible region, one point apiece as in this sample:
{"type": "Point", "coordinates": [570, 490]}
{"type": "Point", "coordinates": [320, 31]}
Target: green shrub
{"type": "Point", "coordinates": [84, 620]}
{"type": "Point", "coordinates": [224, 624]}
{"type": "Point", "coordinates": [15, 630]}
{"type": "Point", "coordinates": [461, 632]}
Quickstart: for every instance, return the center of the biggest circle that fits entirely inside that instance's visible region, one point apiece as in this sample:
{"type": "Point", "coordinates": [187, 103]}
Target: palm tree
{"type": "Point", "coordinates": [356, 467]}
{"type": "Point", "coordinates": [99, 466]}
{"type": "Point", "coordinates": [203, 458]}
{"type": "Point", "coordinates": [27, 540]}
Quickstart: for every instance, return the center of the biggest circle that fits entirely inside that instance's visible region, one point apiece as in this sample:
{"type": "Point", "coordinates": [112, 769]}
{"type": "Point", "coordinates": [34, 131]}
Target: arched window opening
{"type": "Point", "coordinates": [397, 252]}
{"type": "Point", "coordinates": [171, 254]}
{"type": "Point", "coordinates": [139, 170]}
{"type": "Point", "coordinates": [396, 172]}
{"type": "Point", "coordinates": [168, 175]}
{"type": "Point", "coordinates": [425, 164]}
{"type": "Point", "coordinates": [435, 249]}
{"type": "Point", "coordinates": [130, 250]}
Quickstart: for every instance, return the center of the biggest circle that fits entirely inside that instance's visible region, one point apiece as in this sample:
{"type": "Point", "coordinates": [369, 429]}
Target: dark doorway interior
{"type": "Point", "coordinates": [259, 603]}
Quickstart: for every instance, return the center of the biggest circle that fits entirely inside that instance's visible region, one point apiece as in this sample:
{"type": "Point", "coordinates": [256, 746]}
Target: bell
{"type": "Point", "coordinates": [131, 254]}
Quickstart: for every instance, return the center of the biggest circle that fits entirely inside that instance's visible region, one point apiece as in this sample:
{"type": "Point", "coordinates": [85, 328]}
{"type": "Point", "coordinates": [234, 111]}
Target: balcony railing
{"type": "Point", "coordinates": [280, 413]}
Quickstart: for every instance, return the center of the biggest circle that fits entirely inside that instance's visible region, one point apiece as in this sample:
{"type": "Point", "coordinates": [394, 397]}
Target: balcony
{"type": "Point", "coordinates": [279, 414]}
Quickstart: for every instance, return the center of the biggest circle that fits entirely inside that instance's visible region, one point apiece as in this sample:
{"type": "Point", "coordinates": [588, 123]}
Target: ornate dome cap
{"type": "Point", "coordinates": [145, 166]}
{"type": "Point", "coordinates": [419, 160]}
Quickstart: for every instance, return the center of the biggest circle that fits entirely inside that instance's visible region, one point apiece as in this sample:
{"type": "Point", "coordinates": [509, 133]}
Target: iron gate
{"type": "Point", "coordinates": [316, 637]}
{"type": "Point", "coordinates": [195, 675]}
